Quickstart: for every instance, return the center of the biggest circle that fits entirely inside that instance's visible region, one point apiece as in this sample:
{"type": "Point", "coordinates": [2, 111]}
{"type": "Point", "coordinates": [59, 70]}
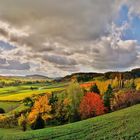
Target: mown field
{"type": "Point", "coordinates": [119, 125]}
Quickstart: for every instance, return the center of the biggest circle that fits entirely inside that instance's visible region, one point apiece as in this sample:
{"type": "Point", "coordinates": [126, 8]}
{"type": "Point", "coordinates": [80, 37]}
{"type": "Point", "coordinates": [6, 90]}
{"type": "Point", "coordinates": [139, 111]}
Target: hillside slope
{"type": "Point", "coordinates": [81, 76]}
{"type": "Point", "coordinates": [120, 125]}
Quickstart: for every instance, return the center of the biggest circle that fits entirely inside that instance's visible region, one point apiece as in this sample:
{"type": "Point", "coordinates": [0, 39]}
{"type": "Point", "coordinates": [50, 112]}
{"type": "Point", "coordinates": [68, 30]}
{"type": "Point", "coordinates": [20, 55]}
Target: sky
{"type": "Point", "coordinates": [59, 37]}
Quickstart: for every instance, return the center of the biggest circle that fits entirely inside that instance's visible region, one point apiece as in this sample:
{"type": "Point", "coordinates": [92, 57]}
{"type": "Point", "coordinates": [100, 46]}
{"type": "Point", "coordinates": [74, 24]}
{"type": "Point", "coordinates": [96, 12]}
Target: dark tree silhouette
{"type": "Point", "coordinates": [95, 89]}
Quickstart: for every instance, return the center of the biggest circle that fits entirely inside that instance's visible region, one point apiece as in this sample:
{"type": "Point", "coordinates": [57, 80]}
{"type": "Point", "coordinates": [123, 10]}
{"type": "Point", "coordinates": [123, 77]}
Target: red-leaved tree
{"type": "Point", "coordinates": [91, 105]}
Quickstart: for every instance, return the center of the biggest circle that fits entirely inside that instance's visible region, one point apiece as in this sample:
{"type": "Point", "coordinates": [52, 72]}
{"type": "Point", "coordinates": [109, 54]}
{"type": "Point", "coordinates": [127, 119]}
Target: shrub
{"type": "Point", "coordinates": [28, 102]}
{"type": "Point", "coordinates": [2, 111]}
{"type": "Point", "coordinates": [22, 122]}
{"type": "Point", "coordinates": [91, 105]}
{"type": "Point", "coordinates": [8, 121]}
{"type": "Point", "coordinates": [125, 100]}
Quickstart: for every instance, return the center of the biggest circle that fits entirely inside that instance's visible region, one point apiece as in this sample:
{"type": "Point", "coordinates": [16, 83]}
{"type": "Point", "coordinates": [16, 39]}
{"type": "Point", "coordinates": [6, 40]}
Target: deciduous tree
{"type": "Point", "coordinates": [91, 105]}
{"type": "Point", "coordinates": [41, 109]}
{"type": "Point", "coordinates": [74, 94]}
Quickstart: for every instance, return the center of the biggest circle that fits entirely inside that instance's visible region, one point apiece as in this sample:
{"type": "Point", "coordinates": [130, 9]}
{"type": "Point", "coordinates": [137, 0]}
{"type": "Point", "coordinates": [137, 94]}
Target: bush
{"type": "Point", "coordinates": [22, 122]}
{"type": "Point", "coordinates": [2, 111]}
{"type": "Point", "coordinates": [8, 121]}
{"type": "Point", "coordinates": [28, 102]}
{"type": "Point", "coordinates": [91, 105]}
{"type": "Point", "coordinates": [125, 100]}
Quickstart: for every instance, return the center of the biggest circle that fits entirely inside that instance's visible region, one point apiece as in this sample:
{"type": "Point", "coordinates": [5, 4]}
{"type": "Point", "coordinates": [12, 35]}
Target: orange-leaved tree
{"type": "Point", "coordinates": [41, 108]}
{"type": "Point", "coordinates": [91, 105]}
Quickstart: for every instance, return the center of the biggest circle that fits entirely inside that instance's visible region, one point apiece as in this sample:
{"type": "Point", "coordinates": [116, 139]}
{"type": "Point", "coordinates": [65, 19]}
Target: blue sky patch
{"type": "Point", "coordinates": [6, 46]}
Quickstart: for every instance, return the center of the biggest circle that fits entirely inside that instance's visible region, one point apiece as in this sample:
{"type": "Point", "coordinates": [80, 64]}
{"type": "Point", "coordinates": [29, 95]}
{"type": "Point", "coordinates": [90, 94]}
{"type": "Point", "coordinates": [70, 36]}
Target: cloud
{"type": "Point", "coordinates": [133, 7]}
{"type": "Point", "coordinates": [57, 37]}
{"type": "Point", "coordinates": [122, 55]}
{"type": "Point", "coordinates": [74, 20]}
{"type": "Point", "coordinates": [2, 61]}
{"type": "Point", "coordinates": [13, 65]}
{"type": "Point", "coordinates": [61, 60]}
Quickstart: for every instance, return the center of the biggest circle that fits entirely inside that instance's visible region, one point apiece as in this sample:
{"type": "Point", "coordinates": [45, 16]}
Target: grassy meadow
{"type": "Point", "coordinates": [119, 125]}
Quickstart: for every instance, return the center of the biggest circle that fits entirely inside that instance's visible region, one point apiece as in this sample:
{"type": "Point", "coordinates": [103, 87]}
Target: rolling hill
{"type": "Point", "coordinates": [81, 76]}
{"type": "Point", "coordinates": [119, 125]}
{"type": "Point", "coordinates": [38, 77]}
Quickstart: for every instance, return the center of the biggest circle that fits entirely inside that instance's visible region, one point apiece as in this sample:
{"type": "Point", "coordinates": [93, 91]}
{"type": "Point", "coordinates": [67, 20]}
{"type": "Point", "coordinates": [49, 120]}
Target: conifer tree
{"type": "Point", "coordinates": [133, 86]}
{"type": "Point", "coordinates": [107, 97]}
{"type": "Point", "coordinates": [95, 89]}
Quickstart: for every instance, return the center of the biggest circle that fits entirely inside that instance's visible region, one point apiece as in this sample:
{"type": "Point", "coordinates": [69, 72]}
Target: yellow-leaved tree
{"type": "Point", "coordinates": [41, 108]}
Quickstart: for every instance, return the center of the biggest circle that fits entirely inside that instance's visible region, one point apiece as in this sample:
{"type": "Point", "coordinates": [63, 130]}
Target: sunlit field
{"type": "Point", "coordinates": [18, 93]}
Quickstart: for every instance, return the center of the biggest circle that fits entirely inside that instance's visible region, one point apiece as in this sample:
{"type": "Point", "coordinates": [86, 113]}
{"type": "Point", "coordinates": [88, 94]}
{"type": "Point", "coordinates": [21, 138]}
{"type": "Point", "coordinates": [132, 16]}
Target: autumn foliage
{"type": "Point", "coordinates": [91, 105]}
{"type": "Point", "coordinates": [125, 100]}
{"type": "Point", "coordinates": [41, 108]}
{"type": "Point", "coordinates": [87, 85]}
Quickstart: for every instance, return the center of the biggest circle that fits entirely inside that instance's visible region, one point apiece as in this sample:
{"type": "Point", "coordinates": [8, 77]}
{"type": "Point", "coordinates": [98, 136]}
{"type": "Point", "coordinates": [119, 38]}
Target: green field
{"type": "Point", "coordinates": [119, 125]}
{"type": "Point", "coordinates": [8, 106]}
{"type": "Point", "coordinates": [18, 93]}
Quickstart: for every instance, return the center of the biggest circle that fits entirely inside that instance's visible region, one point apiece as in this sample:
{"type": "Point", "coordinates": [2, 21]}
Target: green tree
{"type": "Point", "coordinates": [107, 97]}
{"type": "Point", "coordinates": [63, 111]}
{"type": "Point", "coordinates": [75, 94]}
{"type": "Point", "coordinates": [53, 98]}
{"type": "Point", "coordinates": [95, 89]}
{"type": "Point", "coordinates": [53, 102]}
